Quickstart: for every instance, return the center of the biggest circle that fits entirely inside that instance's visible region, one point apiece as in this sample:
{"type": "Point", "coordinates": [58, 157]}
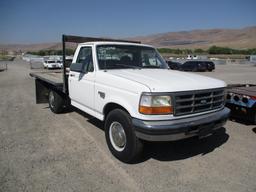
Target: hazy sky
{"type": "Point", "coordinates": [34, 21]}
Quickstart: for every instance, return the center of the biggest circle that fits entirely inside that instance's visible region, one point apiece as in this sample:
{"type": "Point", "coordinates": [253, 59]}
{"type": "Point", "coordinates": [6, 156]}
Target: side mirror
{"type": "Point", "coordinates": [80, 67]}
{"type": "Point", "coordinates": [77, 67]}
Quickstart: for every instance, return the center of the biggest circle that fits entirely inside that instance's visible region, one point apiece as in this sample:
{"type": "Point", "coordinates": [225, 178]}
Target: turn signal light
{"type": "Point", "coordinates": [156, 110]}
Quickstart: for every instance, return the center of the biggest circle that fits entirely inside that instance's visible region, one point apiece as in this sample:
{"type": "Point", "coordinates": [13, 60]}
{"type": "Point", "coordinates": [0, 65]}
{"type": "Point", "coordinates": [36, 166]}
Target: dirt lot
{"type": "Point", "coordinates": [41, 151]}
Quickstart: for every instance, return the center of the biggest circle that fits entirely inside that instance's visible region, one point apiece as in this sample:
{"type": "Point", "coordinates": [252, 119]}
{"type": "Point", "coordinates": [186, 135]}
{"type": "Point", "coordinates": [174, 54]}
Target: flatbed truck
{"type": "Point", "coordinates": [129, 87]}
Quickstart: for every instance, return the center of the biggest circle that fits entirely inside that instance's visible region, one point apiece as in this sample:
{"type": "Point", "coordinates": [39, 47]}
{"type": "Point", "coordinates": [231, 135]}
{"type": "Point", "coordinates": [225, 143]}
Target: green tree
{"type": "Point", "coordinates": [199, 51]}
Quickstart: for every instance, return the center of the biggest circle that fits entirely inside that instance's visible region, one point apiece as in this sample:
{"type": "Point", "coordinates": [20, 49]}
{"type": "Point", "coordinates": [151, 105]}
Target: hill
{"type": "Point", "coordinates": [233, 38]}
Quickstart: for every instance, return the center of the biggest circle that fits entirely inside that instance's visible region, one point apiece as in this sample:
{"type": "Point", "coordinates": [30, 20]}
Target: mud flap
{"type": "Point", "coordinates": [42, 92]}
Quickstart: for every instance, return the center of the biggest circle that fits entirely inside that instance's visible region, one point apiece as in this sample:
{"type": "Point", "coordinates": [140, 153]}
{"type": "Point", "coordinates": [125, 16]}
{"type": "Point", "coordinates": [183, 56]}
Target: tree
{"type": "Point", "coordinates": [199, 51]}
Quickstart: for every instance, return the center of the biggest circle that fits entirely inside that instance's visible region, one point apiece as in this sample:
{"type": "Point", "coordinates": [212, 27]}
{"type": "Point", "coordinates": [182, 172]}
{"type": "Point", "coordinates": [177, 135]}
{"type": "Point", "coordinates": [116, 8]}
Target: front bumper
{"type": "Point", "coordinates": [53, 66]}
{"type": "Point", "coordinates": [177, 129]}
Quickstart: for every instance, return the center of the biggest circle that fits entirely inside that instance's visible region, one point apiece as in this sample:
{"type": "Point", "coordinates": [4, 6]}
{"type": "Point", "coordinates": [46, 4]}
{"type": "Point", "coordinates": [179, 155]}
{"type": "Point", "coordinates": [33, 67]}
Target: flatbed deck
{"type": "Point", "coordinates": [53, 78]}
{"type": "Point", "coordinates": [45, 81]}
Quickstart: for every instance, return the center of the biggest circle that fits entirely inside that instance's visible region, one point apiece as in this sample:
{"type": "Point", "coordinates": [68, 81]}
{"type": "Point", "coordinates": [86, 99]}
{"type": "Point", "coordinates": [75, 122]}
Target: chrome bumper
{"type": "Point", "coordinates": [170, 130]}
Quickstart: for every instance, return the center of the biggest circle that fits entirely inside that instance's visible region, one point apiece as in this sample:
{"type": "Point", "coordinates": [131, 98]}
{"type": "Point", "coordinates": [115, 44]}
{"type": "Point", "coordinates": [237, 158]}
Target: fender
{"type": "Point", "coordinates": [123, 103]}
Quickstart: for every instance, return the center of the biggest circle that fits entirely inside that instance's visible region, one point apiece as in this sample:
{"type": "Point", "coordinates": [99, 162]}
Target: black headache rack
{"type": "Point", "coordinates": [79, 39]}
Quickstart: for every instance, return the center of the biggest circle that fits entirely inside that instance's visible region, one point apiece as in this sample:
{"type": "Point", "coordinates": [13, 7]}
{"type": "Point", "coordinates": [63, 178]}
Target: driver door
{"type": "Point", "coordinates": [82, 79]}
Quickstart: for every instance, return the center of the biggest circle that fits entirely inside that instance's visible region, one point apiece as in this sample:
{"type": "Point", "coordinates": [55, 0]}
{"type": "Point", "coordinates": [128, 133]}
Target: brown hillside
{"type": "Point", "coordinates": [234, 38]}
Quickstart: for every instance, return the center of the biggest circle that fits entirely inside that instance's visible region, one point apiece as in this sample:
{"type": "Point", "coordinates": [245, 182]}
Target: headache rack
{"type": "Point", "coordinates": [190, 102]}
{"type": "Point", "coordinates": [79, 39]}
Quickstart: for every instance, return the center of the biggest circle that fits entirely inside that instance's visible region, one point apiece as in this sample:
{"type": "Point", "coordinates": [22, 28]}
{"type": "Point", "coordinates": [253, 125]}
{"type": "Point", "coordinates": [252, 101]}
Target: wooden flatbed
{"type": "Point", "coordinates": [53, 78]}
{"type": "Point", "coordinates": [45, 81]}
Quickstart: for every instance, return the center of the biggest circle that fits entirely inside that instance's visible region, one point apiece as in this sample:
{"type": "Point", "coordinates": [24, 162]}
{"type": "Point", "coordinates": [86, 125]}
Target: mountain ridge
{"type": "Point", "coordinates": [242, 38]}
{"type": "Point", "coordinates": [204, 38]}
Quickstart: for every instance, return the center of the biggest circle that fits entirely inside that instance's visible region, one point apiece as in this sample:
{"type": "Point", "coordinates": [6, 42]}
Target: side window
{"type": "Point", "coordinates": [85, 58]}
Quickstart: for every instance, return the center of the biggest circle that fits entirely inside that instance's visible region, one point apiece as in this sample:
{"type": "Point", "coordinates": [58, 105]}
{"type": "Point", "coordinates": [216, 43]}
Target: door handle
{"type": "Point", "coordinates": [72, 75]}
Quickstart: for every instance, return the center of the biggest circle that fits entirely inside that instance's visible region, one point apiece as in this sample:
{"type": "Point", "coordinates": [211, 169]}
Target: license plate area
{"type": "Point", "coordinates": [205, 130]}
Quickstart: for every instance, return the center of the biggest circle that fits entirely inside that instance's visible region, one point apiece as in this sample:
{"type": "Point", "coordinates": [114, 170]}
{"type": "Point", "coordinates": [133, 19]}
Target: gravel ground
{"type": "Point", "coordinates": [41, 151]}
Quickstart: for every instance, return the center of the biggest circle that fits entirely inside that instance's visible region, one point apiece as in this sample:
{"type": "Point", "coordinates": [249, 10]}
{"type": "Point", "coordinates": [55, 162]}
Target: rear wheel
{"type": "Point", "coordinates": [195, 69]}
{"type": "Point", "coordinates": [56, 102]}
{"type": "Point", "coordinates": [120, 136]}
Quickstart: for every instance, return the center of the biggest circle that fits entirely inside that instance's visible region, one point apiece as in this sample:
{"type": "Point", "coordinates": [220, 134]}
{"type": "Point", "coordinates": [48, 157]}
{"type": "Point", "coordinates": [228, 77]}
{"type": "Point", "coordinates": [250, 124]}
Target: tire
{"type": "Point", "coordinates": [56, 102]}
{"type": "Point", "coordinates": [125, 146]}
{"type": "Point", "coordinates": [195, 69]}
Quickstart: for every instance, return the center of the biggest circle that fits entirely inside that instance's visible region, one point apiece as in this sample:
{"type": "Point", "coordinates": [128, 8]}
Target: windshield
{"type": "Point", "coordinates": [128, 56]}
{"type": "Point", "coordinates": [50, 61]}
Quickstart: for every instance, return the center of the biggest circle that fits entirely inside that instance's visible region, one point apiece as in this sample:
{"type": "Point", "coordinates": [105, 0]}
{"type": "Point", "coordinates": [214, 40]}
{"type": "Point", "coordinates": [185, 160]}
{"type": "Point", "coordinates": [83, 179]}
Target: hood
{"type": "Point", "coordinates": [163, 80]}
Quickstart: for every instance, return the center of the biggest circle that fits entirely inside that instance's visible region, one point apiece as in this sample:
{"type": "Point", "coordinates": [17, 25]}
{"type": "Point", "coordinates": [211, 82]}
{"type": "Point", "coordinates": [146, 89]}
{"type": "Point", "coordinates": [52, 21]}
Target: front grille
{"type": "Point", "coordinates": [198, 101]}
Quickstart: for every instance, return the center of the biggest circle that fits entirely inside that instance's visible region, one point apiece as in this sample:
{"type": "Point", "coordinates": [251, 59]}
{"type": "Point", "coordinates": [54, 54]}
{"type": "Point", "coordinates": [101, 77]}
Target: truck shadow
{"type": "Point", "coordinates": [178, 150]}
{"type": "Point", "coordinates": [254, 129]}
{"type": "Point", "coordinates": [92, 120]}
{"type": "Point", "coordinates": [175, 150]}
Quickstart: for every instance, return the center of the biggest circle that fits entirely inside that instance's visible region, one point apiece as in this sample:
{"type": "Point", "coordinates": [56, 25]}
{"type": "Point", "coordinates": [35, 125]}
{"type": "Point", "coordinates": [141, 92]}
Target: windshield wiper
{"type": "Point", "coordinates": [129, 66]}
{"type": "Point", "coordinates": [152, 66]}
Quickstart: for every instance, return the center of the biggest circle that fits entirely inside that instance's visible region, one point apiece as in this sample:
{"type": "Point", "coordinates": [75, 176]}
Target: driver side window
{"type": "Point", "coordinates": [85, 58]}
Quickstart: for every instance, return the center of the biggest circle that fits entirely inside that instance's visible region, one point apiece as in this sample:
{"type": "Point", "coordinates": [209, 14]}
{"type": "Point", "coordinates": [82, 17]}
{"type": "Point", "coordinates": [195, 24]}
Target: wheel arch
{"type": "Point", "coordinates": [111, 106]}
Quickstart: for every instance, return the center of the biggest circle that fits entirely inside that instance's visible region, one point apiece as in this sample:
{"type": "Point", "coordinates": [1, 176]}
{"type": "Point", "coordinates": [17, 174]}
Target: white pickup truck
{"type": "Point", "coordinates": [52, 64]}
{"type": "Point", "coordinates": [130, 87]}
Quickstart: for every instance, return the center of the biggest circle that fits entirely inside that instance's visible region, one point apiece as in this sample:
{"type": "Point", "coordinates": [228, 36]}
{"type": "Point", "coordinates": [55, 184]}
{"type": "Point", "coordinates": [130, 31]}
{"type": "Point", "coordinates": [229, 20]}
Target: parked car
{"type": "Point", "coordinates": [52, 64]}
{"type": "Point", "coordinates": [198, 66]}
{"type": "Point", "coordinates": [192, 57]}
{"type": "Point", "coordinates": [174, 65]}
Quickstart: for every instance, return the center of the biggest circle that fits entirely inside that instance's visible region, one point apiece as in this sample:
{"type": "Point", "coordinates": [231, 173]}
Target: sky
{"type": "Point", "coordinates": [34, 21]}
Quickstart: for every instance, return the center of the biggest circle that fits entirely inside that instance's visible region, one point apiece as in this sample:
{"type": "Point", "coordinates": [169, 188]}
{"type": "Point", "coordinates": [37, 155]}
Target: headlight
{"type": "Point", "coordinates": [155, 105]}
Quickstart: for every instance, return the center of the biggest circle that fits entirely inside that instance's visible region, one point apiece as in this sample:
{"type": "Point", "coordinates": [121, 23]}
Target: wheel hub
{"type": "Point", "coordinates": [51, 99]}
{"type": "Point", "coordinates": [117, 136]}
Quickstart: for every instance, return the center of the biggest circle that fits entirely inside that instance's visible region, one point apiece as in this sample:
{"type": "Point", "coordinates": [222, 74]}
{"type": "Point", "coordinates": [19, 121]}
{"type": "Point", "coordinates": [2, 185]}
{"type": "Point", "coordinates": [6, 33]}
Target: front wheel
{"type": "Point", "coordinates": [56, 102]}
{"type": "Point", "coordinates": [120, 136]}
